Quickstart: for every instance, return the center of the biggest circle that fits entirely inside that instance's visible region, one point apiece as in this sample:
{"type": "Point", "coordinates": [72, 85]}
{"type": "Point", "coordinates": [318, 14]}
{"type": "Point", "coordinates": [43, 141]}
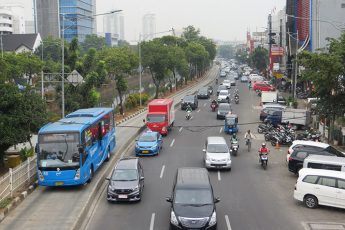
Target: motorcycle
{"type": "Point", "coordinates": [265, 128]}
{"type": "Point", "coordinates": [264, 160]}
{"type": "Point", "coordinates": [188, 115]}
{"type": "Point", "coordinates": [258, 92]}
{"type": "Point", "coordinates": [234, 148]}
{"type": "Point", "coordinates": [213, 107]}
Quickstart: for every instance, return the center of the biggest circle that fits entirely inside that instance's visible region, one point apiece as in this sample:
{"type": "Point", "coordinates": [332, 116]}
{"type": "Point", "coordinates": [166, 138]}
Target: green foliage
{"type": "Point", "coordinates": [92, 41]}
{"type": "Point", "coordinates": [26, 152]}
{"type": "Point", "coordinates": [242, 56]}
{"type": "Point", "coordinates": [190, 34]}
{"type": "Point", "coordinates": [51, 49]}
{"type": "Point", "coordinates": [226, 51]}
{"type": "Point", "coordinates": [133, 100]}
{"type": "Point", "coordinates": [259, 58]}
{"type": "Point", "coordinates": [5, 202]}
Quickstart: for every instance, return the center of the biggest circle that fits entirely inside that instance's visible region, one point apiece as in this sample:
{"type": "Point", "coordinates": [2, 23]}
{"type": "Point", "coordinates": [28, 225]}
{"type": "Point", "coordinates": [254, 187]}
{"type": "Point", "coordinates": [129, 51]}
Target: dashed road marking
{"type": "Point", "coordinates": [162, 172]}
{"type": "Point", "coordinates": [172, 143]}
{"type": "Point", "coordinates": [198, 111]}
{"type": "Point", "coordinates": [221, 129]}
{"type": "Point", "coordinates": [180, 129]}
{"type": "Point", "coordinates": [323, 226]}
{"type": "Point", "coordinates": [205, 104]}
{"type": "Point", "coordinates": [228, 222]}
{"type": "Point", "coordinates": [152, 223]}
{"type": "Point", "coordinates": [219, 178]}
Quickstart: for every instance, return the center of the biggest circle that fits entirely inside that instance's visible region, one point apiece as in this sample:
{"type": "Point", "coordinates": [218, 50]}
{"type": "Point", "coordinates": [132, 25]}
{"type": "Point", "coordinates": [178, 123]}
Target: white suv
{"type": "Point", "coordinates": [301, 143]}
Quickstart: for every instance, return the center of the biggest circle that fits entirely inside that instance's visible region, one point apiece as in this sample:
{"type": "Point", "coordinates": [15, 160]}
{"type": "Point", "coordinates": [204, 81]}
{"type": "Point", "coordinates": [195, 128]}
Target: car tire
{"type": "Point", "coordinates": [108, 155]}
{"type": "Point", "coordinates": [91, 175]}
{"type": "Point", "coordinates": [310, 201]}
{"type": "Point", "coordinates": [260, 130]}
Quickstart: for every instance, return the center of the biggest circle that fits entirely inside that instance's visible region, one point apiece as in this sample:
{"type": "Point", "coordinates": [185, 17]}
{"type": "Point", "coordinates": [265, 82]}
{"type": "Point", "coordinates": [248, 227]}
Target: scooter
{"type": "Point", "coordinates": [234, 148]}
{"type": "Point", "coordinates": [264, 160]}
{"type": "Point", "coordinates": [213, 107]}
{"type": "Point", "coordinates": [188, 115]}
{"type": "Point", "coordinates": [237, 100]}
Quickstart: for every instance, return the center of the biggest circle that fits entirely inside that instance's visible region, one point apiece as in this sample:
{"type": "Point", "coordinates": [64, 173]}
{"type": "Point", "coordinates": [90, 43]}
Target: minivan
{"type": "Point", "coordinates": [320, 187]}
{"type": "Point", "coordinates": [325, 162]}
{"type": "Point", "coordinates": [192, 200]}
{"type": "Point", "coordinates": [217, 154]}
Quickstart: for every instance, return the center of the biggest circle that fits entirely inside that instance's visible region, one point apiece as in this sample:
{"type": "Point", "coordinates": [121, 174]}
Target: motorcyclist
{"type": "Point", "coordinates": [248, 136]}
{"type": "Point", "coordinates": [216, 80]}
{"type": "Point", "coordinates": [263, 150]}
{"type": "Point", "coordinates": [233, 138]}
{"type": "Point", "coordinates": [189, 110]}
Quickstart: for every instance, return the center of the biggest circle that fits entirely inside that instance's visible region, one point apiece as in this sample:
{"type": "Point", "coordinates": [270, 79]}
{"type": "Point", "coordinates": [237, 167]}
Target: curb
{"type": "Point", "coordinates": [17, 200]}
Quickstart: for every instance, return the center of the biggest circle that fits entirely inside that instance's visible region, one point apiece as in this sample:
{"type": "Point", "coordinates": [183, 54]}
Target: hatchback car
{"type": "Point", "coordinates": [217, 154]}
{"type": "Point", "coordinates": [263, 87]}
{"type": "Point", "coordinates": [221, 87]}
{"type": "Point", "coordinates": [189, 100]}
{"type": "Point", "coordinates": [203, 93]}
{"type": "Point", "coordinates": [223, 96]}
{"type": "Point", "coordinates": [244, 78]}
{"type": "Point", "coordinates": [126, 182]}
{"type": "Point", "coordinates": [192, 201]}
{"type": "Point", "coordinates": [149, 143]}
{"type": "Point", "coordinates": [222, 74]}
{"type": "Point", "coordinates": [223, 110]}
{"type": "Point", "coordinates": [227, 83]}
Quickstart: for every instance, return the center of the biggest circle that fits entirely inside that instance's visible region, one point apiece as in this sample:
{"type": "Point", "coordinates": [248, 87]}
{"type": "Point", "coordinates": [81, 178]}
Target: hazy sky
{"type": "Point", "coordinates": [218, 19]}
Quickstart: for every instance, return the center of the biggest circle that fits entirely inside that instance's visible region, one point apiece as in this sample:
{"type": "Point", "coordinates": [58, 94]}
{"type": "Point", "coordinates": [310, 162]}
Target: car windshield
{"type": "Point", "coordinates": [155, 118]}
{"type": "Point", "coordinates": [58, 150]}
{"type": "Point", "coordinates": [217, 148]}
{"type": "Point", "coordinates": [223, 107]}
{"type": "Point", "coordinates": [125, 175]}
{"type": "Point", "coordinates": [223, 93]}
{"type": "Point", "coordinates": [188, 99]}
{"type": "Point", "coordinates": [221, 87]}
{"type": "Point", "coordinates": [230, 121]}
{"type": "Point", "coordinates": [203, 91]}
{"type": "Point", "coordinates": [193, 196]}
{"type": "Point", "coordinates": [147, 138]}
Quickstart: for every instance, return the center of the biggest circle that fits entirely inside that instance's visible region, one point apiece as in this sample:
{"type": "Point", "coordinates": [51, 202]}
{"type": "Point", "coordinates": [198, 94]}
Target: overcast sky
{"type": "Point", "coordinates": [218, 19]}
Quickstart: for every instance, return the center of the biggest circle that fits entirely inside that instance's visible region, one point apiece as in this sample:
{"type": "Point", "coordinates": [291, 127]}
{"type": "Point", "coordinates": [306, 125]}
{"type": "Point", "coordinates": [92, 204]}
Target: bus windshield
{"type": "Point", "coordinates": [58, 150]}
{"type": "Point", "coordinates": [155, 118]}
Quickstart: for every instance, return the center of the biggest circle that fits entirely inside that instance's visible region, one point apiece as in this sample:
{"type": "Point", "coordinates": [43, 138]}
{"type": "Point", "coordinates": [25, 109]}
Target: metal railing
{"type": "Point", "coordinates": [17, 178]}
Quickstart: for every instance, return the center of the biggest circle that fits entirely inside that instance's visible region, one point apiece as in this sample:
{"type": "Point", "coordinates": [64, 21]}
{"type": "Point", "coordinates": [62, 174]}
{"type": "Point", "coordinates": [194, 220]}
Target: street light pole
{"type": "Point", "coordinates": [63, 65]}
{"type": "Point", "coordinates": [296, 67]}
{"type": "Point", "coordinates": [42, 85]}
{"type": "Point", "coordinates": [140, 70]}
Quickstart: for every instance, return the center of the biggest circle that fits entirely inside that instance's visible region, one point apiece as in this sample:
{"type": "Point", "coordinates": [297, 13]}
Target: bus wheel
{"type": "Point", "coordinates": [91, 175]}
{"type": "Point", "coordinates": [108, 155]}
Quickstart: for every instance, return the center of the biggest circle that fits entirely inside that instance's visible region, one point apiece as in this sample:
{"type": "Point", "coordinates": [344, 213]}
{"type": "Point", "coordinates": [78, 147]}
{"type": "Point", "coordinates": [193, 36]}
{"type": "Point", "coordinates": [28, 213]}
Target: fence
{"type": "Point", "coordinates": [17, 178]}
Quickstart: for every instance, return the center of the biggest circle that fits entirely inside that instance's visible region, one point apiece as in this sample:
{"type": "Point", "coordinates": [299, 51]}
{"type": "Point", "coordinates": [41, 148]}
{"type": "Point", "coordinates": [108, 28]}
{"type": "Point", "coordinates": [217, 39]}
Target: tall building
{"type": "Point", "coordinates": [71, 18]}
{"type": "Point", "coordinates": [149, 26]}
{"type": "Point", "coordinates": [16, 12]}
{"type": "Point", "coordinates": [47, 14]}
{"type": "Point", "coordinates": [6, 21]}
{"type": "Point", "coordinates": [29, 26]}
{"type": "Point", "coordinates": [114, 24]}
{"type": "Point", "coordinates": [94, 22]}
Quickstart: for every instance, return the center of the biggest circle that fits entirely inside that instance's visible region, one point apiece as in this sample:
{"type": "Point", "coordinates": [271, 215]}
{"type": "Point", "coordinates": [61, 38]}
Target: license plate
{"type": "Point", "coordinates": [145, 151]}
{"type": "Point", "coordinates": [123, 196]}
{"type": "Point", "coordinates": [58, 183]}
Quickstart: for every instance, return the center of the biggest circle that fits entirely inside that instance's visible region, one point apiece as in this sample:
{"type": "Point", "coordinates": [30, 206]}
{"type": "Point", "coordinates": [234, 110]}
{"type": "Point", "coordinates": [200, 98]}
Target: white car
{"type": "Point", "coordinates": [233, 83]}
{"type": "Point", "coordinates": [224, 96]}
{"type": "Point", "coordinates": [298, 143]}
{"type": "Point", "coordinates": [227, 83]}
{"type": "Point", "coordinates": [217, 154]}
{"type": "Point", "coordinates": [320, 187]}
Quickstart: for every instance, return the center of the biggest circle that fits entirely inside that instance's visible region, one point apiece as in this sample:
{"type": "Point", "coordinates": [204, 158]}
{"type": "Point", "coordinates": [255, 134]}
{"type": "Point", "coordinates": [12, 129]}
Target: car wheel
{"type": "Point", "coordinates": [108, 155]}
{"type": "Point", "coordinates": [310, 201]}
{"type": "Point", "coordinates": [91, 175]}
{"type": "Point", "coordinates": [259, 130]}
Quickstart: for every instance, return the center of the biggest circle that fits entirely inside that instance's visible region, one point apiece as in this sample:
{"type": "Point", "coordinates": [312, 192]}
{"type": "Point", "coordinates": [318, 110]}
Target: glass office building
{"type": "Point", "coordinates": [76, 18]}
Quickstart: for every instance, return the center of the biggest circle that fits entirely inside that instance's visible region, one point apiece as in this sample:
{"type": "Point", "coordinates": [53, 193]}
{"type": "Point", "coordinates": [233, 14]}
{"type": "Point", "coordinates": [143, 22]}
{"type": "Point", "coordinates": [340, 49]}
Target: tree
{"type": "Point", "coordinates": [73, 53]}
{"type": "Point", "coordinates": [119, 63]}
{"type": "Point", "coordinates": [242, 56]}
{"type": "Point", "coordinates": [210, 47]}
{"type": "Point", "coordinates": [22, 113]}
{"type": "Point", "coordinates": [30, 63]}
{"type": "Point", "coordinates": [190, 34]}
{"type": "Point", "coordinates": [226, 51]}
{"type": "Point", "coordinates": [259, 58]}
{"type": "Point", "coordinates": [197, 56]}
{"type": "Point", "coordinates": [93, 41]}
{"type": "Point", "coordinates": [89, 61]}
{"type": "Point", "coordinates": [51, 49]}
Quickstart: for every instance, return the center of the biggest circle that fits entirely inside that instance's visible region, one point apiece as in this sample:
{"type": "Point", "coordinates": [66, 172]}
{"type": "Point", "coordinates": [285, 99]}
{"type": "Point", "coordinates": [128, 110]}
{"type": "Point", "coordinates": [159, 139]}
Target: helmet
{"type": "Point", "coordinates": [263, 145]}
{"type": "Point", "coordinates": [234, 135]}
{"type": "Point", "coordinates": [248, 131]}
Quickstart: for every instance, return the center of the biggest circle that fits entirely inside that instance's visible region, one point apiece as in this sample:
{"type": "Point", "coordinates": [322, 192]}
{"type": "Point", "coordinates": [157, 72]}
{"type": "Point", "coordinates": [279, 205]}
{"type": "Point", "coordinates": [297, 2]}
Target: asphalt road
{"type": "Point", "coordinates": [251, 198]}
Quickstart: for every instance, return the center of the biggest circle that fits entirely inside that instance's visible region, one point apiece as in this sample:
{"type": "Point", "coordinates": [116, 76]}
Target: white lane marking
{"type": "Point", "coordinates": [205, 104]}
{"type": "Point", "coordinates": [227, 222]}
{"type": "Point", "coordinates": [221, 129]}
{"type": "Point", "coordinates": [152, 223]}
{"type": "Point", "coordinates": [180, 129]}
{"type": "Point", "coordinates": [219, 178]}
{"type": "Point", "coordinates": [162, 172]}
{"type": "Point", "coordinates": [172, 143]}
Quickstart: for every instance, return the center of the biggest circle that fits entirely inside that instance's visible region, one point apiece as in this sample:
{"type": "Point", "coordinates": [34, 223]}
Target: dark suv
{"type": "Point", "coordinates": [127, 181]}
{"type": "Point", "coordinates": [192, 201]}
{"type": "Point", "coordinates": [189, 100]}
{"type": "Point", "coordinates": [299, 153]}
{"type": "Point", "coordinates": [203, 93]}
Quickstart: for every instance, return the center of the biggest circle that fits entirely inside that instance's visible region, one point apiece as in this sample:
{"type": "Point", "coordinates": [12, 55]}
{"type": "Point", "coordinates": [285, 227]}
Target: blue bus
{"type": "Point", "coordinates": [70, 150]}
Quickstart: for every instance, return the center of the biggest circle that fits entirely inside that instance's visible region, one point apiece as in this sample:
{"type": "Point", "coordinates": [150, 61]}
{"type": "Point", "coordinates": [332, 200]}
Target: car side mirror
{"type": "Point", "coordinates": [107, 178]}
{"type": "Point", "coordinates": [142, 178]}
{"type": "Point", "coordinates": [168, 199]}
{"type": "Point", "coordinates": [216, 200]}
{"type": "Point", "coordinates": [37, 148]}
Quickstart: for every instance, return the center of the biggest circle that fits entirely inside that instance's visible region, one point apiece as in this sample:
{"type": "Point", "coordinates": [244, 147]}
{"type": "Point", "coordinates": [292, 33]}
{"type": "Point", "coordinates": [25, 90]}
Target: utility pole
{"type": "Point", "coordinates": [296, 67]}
{"type": "Point", "coordinates": [63, 65]}
{"type": "Point", "coordinates": [270, 41]}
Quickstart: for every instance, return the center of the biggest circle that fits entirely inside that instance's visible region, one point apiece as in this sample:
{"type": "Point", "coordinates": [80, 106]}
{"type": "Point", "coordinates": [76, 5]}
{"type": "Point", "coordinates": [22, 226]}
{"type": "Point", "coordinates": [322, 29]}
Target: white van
{"type": "Point", "coordinates": [325, 162]}
{"type": "Point", "coordinates": [217, 154]}
{"type": "Point", "coordinates": [320, 187]}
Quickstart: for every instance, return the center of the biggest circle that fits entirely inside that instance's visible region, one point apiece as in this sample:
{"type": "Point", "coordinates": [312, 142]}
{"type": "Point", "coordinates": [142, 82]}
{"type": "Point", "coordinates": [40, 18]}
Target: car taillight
{"type": "Point", "coordinates": [290, 159]}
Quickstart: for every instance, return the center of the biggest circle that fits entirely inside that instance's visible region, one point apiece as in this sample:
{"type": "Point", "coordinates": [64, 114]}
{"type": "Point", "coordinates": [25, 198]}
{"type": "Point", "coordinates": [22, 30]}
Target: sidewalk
{"type": "Point", "coordinates": [302, 103]}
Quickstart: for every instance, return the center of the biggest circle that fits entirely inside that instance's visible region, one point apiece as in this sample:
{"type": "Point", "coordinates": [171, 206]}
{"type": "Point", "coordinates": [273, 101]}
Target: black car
{"type": "Point", "coordinates": [127, 181]}
{"type": "Point", "coordinates": [223, 110]}
{"type": "Point", "coordinates": [192, 201]}
{"type": "Point", "coordinates": [221, 87]}
{"type": "Point", "coordinates": [189, 100]}
{"type": "Point", "coordinates": [299, 153]}
{"type": "Point", "coordinates": [210, 90]}
{"type": "Point", "coordinates": [268, 111]}
{"type": "Point", "coordinates": [203, 93]}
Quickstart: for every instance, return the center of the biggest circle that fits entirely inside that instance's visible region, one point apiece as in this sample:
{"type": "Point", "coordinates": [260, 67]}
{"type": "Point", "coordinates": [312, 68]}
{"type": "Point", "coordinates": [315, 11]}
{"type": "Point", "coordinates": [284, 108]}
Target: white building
{"type": "Point", "coordinates": [6, 21]}
{"type": "Point", "coordinates": [114, 24]}
{"type": "Point", "coordinates": [149, 26]}
{"type": "Point", "coordinates": [17, 13]}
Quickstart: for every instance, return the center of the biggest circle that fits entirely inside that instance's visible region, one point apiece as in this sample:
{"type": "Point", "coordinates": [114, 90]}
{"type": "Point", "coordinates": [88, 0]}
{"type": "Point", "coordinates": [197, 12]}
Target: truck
{"type": "Point", "coordinates": [269, 97]}
{"type": "Point", "coordinates": [297, 117]}
{"type": "Point", "coordinates": [160, 115]}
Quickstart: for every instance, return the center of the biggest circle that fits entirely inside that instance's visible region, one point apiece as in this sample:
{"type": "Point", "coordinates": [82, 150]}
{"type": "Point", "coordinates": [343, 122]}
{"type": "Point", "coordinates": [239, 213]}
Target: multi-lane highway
{"type": "Point", "coordinates": [251, 198]}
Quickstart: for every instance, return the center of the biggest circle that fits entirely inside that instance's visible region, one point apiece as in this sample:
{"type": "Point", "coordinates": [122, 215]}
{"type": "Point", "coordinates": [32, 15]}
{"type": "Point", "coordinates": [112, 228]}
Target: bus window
{"type": "Point", "coordinates": [106, 123]}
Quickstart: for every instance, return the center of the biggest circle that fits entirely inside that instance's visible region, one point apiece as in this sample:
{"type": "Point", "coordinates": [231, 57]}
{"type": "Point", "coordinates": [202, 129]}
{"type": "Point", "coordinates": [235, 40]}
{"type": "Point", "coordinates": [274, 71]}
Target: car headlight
{"type": "Point", "coordinates": [136, 145]}
{"type": "Point", "coordinates": [154, 146]}
{"type": "Point", "coordinates": [136, 189]}
{"type": "Point", "coordinates": [173, 219]}
{"type": "Point", "coordinates": [111, 188]}
{"type": "Point", "coordinates": [40, 175]}
{"type": "Point", "coordinates": [77, 175]}
{"type": "Point", "coordinates": [213, 219]}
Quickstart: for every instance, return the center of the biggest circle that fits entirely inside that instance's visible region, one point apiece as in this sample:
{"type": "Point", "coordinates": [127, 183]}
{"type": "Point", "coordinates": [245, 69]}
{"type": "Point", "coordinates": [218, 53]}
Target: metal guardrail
{"type": "Point", "coordinates": [17, 178]}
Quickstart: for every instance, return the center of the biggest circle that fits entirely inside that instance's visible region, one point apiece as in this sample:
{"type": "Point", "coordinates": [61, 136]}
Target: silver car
{"type": "Point", "coordinates": [217, 154]}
